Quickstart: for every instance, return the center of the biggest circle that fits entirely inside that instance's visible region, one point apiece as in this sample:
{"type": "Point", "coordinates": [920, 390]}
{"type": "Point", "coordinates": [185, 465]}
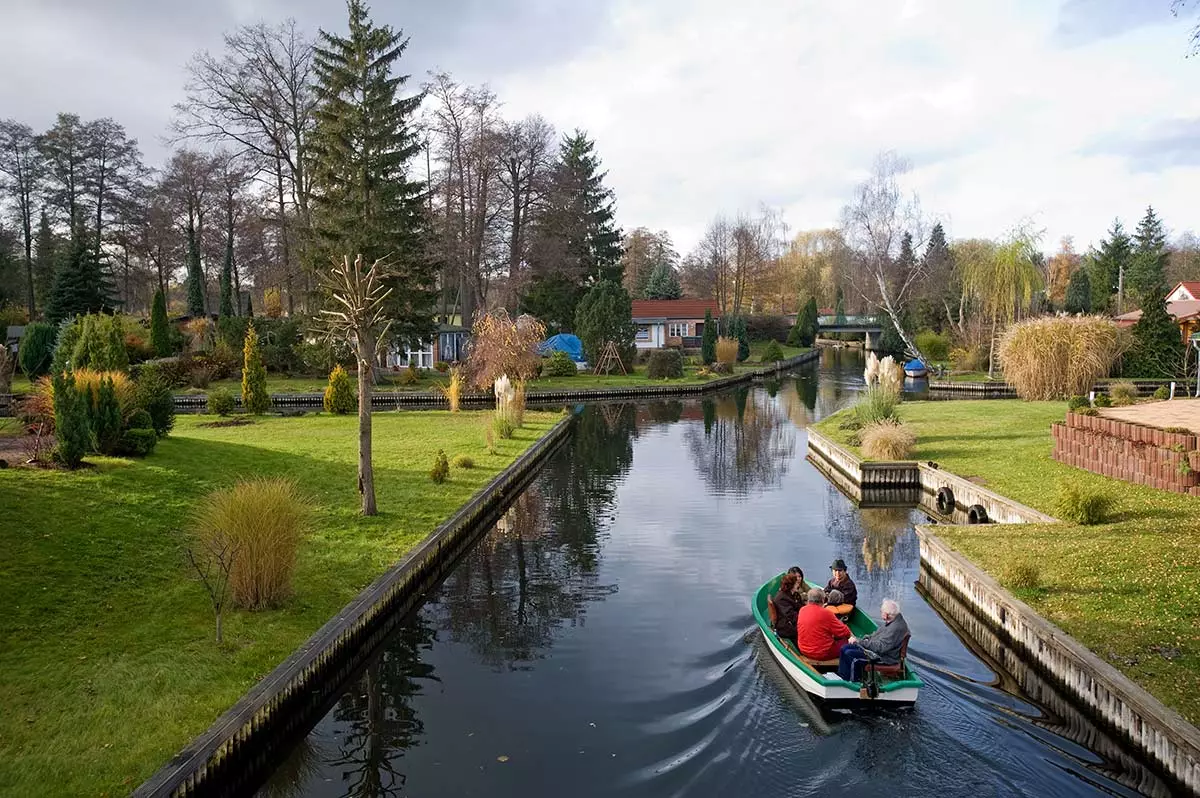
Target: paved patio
{"type": "Point", "coordinates": [1175, 413]}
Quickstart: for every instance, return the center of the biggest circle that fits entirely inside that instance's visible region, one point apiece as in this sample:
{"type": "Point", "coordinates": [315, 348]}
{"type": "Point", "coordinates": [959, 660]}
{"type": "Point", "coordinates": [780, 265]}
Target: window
{"type": "Point", "coordinates": [422, 358]}
{"type": "Point", "coordinates": [677, 329]}
{"type": "Point", "coordinates": [643, 332]}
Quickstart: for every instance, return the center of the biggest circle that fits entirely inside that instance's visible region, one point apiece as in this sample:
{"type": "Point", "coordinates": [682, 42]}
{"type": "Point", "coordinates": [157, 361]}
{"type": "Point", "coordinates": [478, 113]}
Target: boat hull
{"type": "Point", "coordinates": [835, 695]}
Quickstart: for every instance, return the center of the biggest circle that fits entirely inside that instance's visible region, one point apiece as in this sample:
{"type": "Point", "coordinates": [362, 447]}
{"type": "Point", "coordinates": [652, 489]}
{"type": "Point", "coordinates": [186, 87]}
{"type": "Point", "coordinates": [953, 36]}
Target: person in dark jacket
{"type": "Point", "coordinates": [841, 581]}
{"type": "Point", "coordinates": [787, 605]}
{"type": "Point", "coordinates": [883, 647]}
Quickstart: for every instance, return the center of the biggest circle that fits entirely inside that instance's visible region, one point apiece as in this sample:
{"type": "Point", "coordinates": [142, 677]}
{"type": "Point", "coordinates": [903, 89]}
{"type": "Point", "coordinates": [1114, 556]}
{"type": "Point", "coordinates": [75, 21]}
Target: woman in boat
{"type": "Point", "coordinates": [787, 605]}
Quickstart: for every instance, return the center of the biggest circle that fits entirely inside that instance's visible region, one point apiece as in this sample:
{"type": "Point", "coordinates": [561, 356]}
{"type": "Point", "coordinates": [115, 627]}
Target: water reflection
{"type": "Point", "coordinates": [745, 446]}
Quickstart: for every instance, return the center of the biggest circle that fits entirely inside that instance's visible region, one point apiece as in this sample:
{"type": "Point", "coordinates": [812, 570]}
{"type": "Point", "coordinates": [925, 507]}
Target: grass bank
{"type": "Point", "coordinates": [1128, 589]}
{"type": "Point", "coordinates": [109, 665]}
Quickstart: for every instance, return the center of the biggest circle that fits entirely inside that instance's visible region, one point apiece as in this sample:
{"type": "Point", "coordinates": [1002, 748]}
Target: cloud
{"type": "Point", "coordinates": [1162, 146]}
{"type": "Point", "coordinates": [1087, 21]}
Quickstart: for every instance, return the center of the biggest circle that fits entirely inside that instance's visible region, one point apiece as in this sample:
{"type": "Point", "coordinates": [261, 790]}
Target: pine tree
{"type": "Point", "coordinates": [195, 275]}
{"type": "Point", "coordinates": [605, 314]}
{"type": "Point", "coordinates": [739, 330]}
{"type": "Point", "coordinates": [226, 307]}
{"type": "Point", "coordinates": [160, 331]}
{"type": "Point", "coordinates": [255, 398]}
{"type": "Point", "coordinates": [1079, 293]}
{"type": "Point", "coordinates": [1146, 277]}
{"type": "Point", "coordinates": [1111, 262]}
{"type": "Point", "coordinates": [363, 202]}
{"type": "Point", "coordinates": [81, 285]}
{"type": "Point", "coordinates": [1157, 350]}
{"type": "Point", "coordinates": [663, 283]}
{"type": "Point", "coordinates": [708, 342]}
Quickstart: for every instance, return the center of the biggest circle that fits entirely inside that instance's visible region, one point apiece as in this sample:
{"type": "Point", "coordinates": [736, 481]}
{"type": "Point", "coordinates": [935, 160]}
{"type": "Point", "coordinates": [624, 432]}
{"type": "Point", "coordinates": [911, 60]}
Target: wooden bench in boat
{"type": "Point", "coordinates": [772, 616]}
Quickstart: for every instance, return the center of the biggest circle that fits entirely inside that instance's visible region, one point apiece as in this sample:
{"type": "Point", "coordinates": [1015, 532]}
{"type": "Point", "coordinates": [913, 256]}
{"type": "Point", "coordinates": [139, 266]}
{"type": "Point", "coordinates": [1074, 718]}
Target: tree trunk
{"type": "Point", "coordinates": [366, 473]}
{"type": "Point", "coordinates": [219, 637]}
{"type": "Point", "coordinates": [992, 351]}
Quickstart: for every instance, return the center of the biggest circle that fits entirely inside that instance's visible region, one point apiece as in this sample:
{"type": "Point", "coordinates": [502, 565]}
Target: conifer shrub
{"type": "Point", "coordinates": [153, 394]}
{"type": "Point", "coordinates": [339, 395]}
{"type": "Point", "coordinates": [887, 440]}
{"type": "Point", "coordinates": [106, 418]}
{"type": "Point", "coordinates": [65, 339]}
{"type": "Point", "coordinates": [708, 341]}
{"type": "Point", "coordinates": [1102, 400]}
{"type": "Point", "coordinates": [70, 422]}
{"type": "Point", "coordinates": [37, 349]}
{"type": "Point", "coordinates": [559, 364]}
{"type": "Point", "coordinates": [1087, 410]}
{"type": "Point", "coordinates": [255, 398]}
{"type": "Point", "coordinates": [261, 522]}
{"type": "Point", "coordinates": [1162, 392]}
{"type": "Point", "coordinates": [665, 364]}
{"type": "Point", "coordinates": [441, 468]}
{"type": "Point", "coordinates": [1076, 402]}
{"type": "Point", "coordinates": [743, 339]}
{"type": "Point", "coordinates": [463, 461]}
{"type": "Point", "coordinates": [160, 330]}
{"type": "Point", "coordinates": [137, 442]}
{"type": "Point", "coordinates": [221, 402]}
{"type": "Point", "coordinates": [1082, 505]}
{"type": "Point", "coordinates": [1122, 393]}
{"type": "Point", "coordinates": [140, 419]}
{"type": "Point", "coordinates": [772, 352]}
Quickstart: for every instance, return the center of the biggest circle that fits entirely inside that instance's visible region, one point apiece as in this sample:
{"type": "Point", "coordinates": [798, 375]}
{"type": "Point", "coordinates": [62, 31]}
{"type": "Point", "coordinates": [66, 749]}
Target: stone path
{"type": "Point", "coordinates": [1175, 413]}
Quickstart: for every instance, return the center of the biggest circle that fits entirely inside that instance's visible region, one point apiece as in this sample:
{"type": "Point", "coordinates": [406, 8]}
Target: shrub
{"type": "Point", "coordinates": [101, 345]}
{"type": "Point", "coordinates": [887, 440]}
{"type": "Point", "coordinates": [1178, 430]}
{"type": "Point", "coordinates": [727, 350]}
{"type": "Point", "coordinates": [65, 339]}
{"type": "Point", "coordinates": [200, 376]}
{"type": "Point", "coordinates": [463, 461]}
{"type": "Point", "coordinates": [1076, 402]}
{"type": "Point", "coordinates": [137, 348]}
{"type": "Point", "coordinates": [339, 396]}
{"type": "Point", "coordinates": [722, 368]}
{"type": "Point", "coordinates": [708, 341]}
{"type": "Point", "coordinates": [502, 427]}
{"type": "Point", "coordinates": [224, 360]}
{"type": "Point", "coordinates": [1022, 575]}
{"type": "Point", "coordinates": [966, 359]}
{"type": "Point", "coordinates": [153, 394]}
{"type": "Point", "coordinates": [1122, 393]}
{"type": "Point", "coordinates": [410, 376]}
{"type": "Point", "coordinates": [37, 349]}
{"type": "Point", "coordinates": [174, 371]}
{"type": "Point", "coordinates": [221, 402]}
{"type": "Point", "coordinates": [1162, 392]}
{"type": "Point", "coordinates": [106, 418]}
{"type": "Point", "coordinates": [140, 419]}
{"type": "Point", "coordinates": [70, 422]}
{"type": "Point", "coordinates": [743, 339]}
{"type": "Point", "coordinates": [261, 522]}
{"type": "Point", "coordinates": [772, 352]}
{"type": "Point", "coordinates": [136, 442]}
{"type": "Point", "coordinates": [1102, 400]}
{"type": "Point", "coordinates": [933, 345]}
{"type": "Point", "coordinates": [1082, 505]}
{"type": "Point", "coordinates": [160, 330]}
{"type": "Point", "coordinates": [559, 364]}
{"type": "Point", "coordinates": [665, 364]}
{"type": "Point", "coordinates": [441, 468]}
{"type": "Point", "coordinates": [1052, 357]}
{"type": "Point", "coordinates": [875, 404]}
{"type": "Point", "coordinates": [441, 367]}
{"type": "Point", "coordinates": [254, 376]}
{"type": "Point", "coordinates": [604, 314]}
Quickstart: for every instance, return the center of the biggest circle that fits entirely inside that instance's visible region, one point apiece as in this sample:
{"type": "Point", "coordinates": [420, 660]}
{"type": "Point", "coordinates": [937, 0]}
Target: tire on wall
{"type": "Point", "coordinates": [977, 514]}
{"type": "Point", "coordinates": [945, 501]}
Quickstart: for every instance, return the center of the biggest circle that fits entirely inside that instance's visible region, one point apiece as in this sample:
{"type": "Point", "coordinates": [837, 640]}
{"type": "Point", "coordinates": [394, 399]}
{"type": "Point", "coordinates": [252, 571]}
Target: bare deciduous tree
{"type": "Point", "coordinates": [21, 170]}
{"type": "Point", "coordinates": [213, 563]}
{"type": "Point", "coordinates": [358, 318]}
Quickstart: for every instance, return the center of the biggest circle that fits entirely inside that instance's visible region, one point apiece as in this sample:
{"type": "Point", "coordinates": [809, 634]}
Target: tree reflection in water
{"type": "Point", "coordinates": [872, 538]}
{"type": "Point", "coordinates": [745, 444]}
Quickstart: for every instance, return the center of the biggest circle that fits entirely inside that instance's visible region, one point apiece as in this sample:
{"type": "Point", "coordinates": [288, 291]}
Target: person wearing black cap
{"type": "Point", "coordinates": [841, 581]}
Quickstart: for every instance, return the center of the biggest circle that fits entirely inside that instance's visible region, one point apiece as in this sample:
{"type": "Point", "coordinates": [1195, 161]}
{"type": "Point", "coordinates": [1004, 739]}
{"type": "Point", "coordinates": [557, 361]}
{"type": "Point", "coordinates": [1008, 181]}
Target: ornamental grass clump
{"type": "Point", "coordinates": [453, 390]}
{"type": "Point", "coordinates": [727, 350]}
{"type": "Point", "coordinates": [874, 405]}
{"type": "Point", "coordinates": [463, 461]}
{"type": "Point", "coordinates": [1023, 576]}
{"type": "Point", "coordinates": [887, 440]}
{"type": "Point", "coordinates": [339, 395]}
{"type": "Point", "coordinates": [1053, 357]}
{"type": "Point", "coordinates": [259, 523]}
{"type": "Point", "coordinates": [1122, 393]}
{"type": "Point", "coordinates": [1082, 505]}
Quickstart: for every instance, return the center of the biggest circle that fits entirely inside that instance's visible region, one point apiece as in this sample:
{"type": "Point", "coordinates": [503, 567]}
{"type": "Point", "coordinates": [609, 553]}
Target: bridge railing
{"type": "Point", "coordinates": [850, 321]}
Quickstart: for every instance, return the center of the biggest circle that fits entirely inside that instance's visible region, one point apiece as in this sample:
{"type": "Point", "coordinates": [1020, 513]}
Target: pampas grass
{"type": "Point", "coordinates": [727, 350]}
{"type": "Point", "coordinates": [1054, 357]}
{"type": "Point", "coordinates": [887, 440]}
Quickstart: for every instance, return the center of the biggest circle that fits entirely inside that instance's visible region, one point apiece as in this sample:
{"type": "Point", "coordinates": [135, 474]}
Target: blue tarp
{"type": "Point", "coordinates": [914, 365]}
{"type": "Point", "coordinates": [563, 342]}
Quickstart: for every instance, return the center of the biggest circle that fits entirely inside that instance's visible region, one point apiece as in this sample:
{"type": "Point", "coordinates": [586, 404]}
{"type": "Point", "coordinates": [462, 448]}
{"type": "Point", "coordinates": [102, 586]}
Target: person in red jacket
{"type": "Point", "coordinates": [819, 634]}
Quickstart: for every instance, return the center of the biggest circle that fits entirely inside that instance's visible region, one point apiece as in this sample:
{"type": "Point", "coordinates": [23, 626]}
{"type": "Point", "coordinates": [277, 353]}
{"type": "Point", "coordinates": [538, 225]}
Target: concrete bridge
{"type": "Point", "coordinates": [872, 326]}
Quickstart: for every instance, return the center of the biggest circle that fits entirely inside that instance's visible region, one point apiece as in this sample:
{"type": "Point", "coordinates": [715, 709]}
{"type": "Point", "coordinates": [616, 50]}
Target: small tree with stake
{"type": "Point", "coordinates": [358, 319]}
{"type": "Point", "coordinates": [213, 563]}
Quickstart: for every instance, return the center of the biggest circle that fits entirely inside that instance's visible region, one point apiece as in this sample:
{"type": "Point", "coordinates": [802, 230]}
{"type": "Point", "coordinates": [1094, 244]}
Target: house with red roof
{"type": "Point", "coordinates": [671, 322]}
{"type": "Point", "coordinates": [1183, 305]}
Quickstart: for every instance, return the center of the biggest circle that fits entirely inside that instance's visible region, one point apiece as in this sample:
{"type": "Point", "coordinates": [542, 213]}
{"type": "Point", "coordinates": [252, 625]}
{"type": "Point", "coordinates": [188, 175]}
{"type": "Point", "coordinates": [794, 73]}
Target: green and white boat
{"type": "Point", "coordinates": [895, 686]}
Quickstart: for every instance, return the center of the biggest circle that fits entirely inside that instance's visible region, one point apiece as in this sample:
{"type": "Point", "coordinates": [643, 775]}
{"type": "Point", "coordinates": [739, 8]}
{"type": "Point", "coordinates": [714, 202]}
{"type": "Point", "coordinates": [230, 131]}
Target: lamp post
{"type": "Point", "coordinates": [1195, 339]}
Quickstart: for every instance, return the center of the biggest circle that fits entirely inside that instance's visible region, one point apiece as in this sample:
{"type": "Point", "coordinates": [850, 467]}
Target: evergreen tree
{"type": "Point", "coordinates": [890, 341]}
{"type": "Point", "coordinates": [743, 338]}
{"type": "Point", "coordinates": [1147, 271]}
{"type": "Point", "coordinates": [1110, 263]}
{"type": "Point", "coordinates": [663, 283]}
{"type": "Point", "coordinates": [1079, 293]}
{"type": "Point", "coordinates": [839, 308]}
{"type": "Point", "coordinates": [71, 426]}
{"type": "Point", "coordinates": [195, 275]}
{"type": "Point", "coordinates": [708, 342]}
{"type": "Point", "coordinates": [363, 202]}
{"type": "Point", "coordinates": [160, 331]}
{"type": "Point", "coordinates": [249, 307]}
{"type": "Point", "coordinates": [255, 398]}
{"type": "Point", "coordinates": [81, 285]}
{"type": "Point", "coordinates": [1157, 350]}
{"type": "Point", "coordinates": [809, 323]}
{"type": "Point", "coordinates": [45, 261]}
{"type": "Point", "coordinates": [226, 309]}
{"type": "Point", "coordinates": [106, 418]}
{"type": "Point", "coordinates": [605, 314]}
{"type": "Point", "coordinates": [116, 357]}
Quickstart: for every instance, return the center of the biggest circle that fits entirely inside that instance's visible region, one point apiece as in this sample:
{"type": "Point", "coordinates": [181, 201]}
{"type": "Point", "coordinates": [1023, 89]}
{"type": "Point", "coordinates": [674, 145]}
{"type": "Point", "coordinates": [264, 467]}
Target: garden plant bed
{"type": "Point", "coordinates": [1128, 589]}
{"type": "Point", "coordinates": [110, 665]}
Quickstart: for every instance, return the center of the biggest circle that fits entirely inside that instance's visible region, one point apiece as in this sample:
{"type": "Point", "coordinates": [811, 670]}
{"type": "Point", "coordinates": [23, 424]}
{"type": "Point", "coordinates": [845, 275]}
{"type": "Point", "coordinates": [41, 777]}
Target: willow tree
{"type": "Point", "coordinates": [1004, 284]}
{"type": "Point", "coordinates": [358, 317]}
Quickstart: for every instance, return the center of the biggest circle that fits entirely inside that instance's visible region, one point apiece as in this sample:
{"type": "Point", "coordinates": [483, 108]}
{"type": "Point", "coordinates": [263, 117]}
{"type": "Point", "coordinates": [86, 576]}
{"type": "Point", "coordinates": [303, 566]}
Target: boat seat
{"type": "Point", "coordinates": [772, 612]}
{"type": "Point", "coordinates": [895, 670]}
{"type": "Point", "coordinates": [819, 663]}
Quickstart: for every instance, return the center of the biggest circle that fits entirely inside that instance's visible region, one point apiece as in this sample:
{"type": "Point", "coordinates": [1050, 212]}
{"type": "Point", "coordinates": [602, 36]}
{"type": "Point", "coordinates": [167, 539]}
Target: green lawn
{"type": "Point", "coordinates": [1128, 589]}
{"type": "Point", "coordinates": [20, 384]}
{"type": "Point", "coordinates": [109, 665]}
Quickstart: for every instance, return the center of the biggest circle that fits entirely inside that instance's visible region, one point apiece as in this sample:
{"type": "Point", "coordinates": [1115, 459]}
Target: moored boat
{"type": "Point", "coordinates": [915, 369]}
{"type": "Point", "coordinates": [821, 680]}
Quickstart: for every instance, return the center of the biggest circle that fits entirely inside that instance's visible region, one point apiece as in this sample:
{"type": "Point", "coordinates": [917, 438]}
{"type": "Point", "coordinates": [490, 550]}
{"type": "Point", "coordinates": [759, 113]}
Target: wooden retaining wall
{"type": "Point", "coordinates": [422, 399]}
{"type": "Point", "coordinates": [1128, 451]}
{"type": "Point", "coordinates": [946, 389]}
{"type": "Point", "coordinates": [1155, 732]}
{"type": "Point", "coordinates": [232, 755]}
{"type": "Point", "coordinates": [1000, 509]}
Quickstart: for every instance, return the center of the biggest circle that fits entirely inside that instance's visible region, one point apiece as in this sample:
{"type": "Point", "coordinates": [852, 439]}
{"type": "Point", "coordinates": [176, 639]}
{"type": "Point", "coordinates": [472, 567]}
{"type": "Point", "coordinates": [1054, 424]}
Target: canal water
{"type": "Point", "coordinates": [599, 640]}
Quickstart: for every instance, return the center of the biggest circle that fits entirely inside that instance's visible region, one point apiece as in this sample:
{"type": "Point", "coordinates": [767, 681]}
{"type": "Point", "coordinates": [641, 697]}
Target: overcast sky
{"type": "Point", "coordinates": [1068, 112]}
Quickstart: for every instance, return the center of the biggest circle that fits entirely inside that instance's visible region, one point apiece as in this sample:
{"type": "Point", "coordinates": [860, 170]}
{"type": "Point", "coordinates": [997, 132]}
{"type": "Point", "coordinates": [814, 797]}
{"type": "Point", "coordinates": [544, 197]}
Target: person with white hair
{"type": "Point", "coordinates": [883, 647]}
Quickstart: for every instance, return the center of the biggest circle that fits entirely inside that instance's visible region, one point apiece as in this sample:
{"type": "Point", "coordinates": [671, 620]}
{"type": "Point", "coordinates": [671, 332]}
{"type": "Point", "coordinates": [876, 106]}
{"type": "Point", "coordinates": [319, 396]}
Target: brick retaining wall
{"type": "Point", "coordinates": [1136, 453]}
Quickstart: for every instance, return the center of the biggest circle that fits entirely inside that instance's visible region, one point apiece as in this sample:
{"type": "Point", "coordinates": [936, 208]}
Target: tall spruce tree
{"type": "Point", "coordinates": [663, 283]}
{"type": "Point", "coordinates": [1079, 293]}
{"type": "Point", "coordinates": [363, 202]}
{"type": "Point", "coordinates": [160, 332]}
{"type": "Point", "coordinates": [1148, 264]}
{"type": "Point", "coordinates": [1110, 267]}
{"type": "Point", "coordinates": [47, 250]}
{"type": "Point", "coordinates": [1157, 349]}
{"type": "Point", "coordinates": [708, 342]}
{"type": "Point", "coordinates": [82, 285]}
{"type": "Point", "coordinates": [226, 307]}
{"type": "Point", "coordinates": [195, 275]}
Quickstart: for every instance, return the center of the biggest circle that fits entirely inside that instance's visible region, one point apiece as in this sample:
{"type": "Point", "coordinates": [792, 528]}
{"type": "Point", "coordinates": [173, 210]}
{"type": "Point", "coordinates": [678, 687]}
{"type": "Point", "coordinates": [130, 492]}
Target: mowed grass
{"type": "Point", "coordinates": [109, 664]}
{"type": "Point", "coordinates": [1128, 589]}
